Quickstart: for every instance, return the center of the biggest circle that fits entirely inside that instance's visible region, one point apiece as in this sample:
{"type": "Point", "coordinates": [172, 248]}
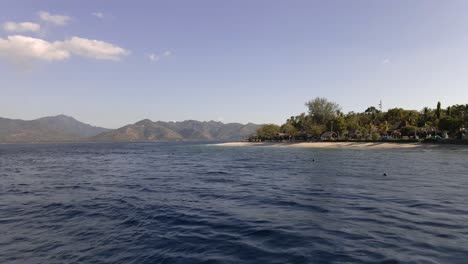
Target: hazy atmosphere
{"type": "Point", "coordinates": [110, 63]}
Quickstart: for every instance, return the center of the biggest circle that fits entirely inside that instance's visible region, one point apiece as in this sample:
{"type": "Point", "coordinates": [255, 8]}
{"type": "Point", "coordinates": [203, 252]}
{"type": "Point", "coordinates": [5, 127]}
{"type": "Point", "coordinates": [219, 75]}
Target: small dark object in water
{"type": "Point", "coordinates": [313, 160]}
{"type": "Point", "coordinates": [385, 174]}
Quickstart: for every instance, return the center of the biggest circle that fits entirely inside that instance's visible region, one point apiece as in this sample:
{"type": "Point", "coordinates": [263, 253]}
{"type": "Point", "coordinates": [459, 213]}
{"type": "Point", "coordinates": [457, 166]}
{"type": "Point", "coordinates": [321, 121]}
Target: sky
{"type": "Point", "coordinates": [114, 62]}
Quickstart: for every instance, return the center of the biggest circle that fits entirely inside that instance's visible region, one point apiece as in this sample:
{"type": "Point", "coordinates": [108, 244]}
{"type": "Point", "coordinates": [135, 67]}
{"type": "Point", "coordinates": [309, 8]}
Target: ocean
{"type": "Point", "coordinates": [186, 202]}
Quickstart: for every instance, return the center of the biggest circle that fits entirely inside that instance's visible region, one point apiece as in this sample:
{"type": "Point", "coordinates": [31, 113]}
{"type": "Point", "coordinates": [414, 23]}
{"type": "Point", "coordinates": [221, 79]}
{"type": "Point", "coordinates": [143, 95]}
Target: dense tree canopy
{"type": "Point", "coordinates": [321, 110]}
{"type": "Point", "coordinates": [268, 131]}
{"type": "Point", "coordinates": [324, 115]}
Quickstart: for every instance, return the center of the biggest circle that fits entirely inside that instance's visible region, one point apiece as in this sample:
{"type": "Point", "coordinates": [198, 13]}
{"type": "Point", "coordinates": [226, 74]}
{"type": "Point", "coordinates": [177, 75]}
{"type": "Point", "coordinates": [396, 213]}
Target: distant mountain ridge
{"type": "Point", "coordinates": [147, 130]}
{"type": "Point", "coordinates": [64, 128]}
{"type": "Point", "coordinates": [46, 129]}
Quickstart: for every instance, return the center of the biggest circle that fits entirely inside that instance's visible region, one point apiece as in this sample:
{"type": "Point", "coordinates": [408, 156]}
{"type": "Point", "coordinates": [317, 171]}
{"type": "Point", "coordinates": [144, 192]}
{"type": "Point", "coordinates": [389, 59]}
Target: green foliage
{"type": "Point", "coordinates": [315, 129]}
{"type": "Point", "coordinates": [321, 110]}
{"type": "Point", "coordinates": [297, 121]}
{"type": "Point", "coordinates": [352, 121]}
{"type": "Point", "coordinates": [339, 124]}
{"type": "Point", "coordinates": [401, 115]}
{"type": "Point", "coordinates": [288, 129]}
{"type": "Point", "coordinates": [375, 136]}
{"type": "Point", "coordinates": [394, 115]}
{"type": "Point", "coordinates": [371, 110]}
{"type": "Point", "coordinates": [438, 110]}
{"type": "Point", "coordinates": [371, 124]}
{"type": "Point", "coordinates": [268, 131]}
{"type": "Point", "coordinates": [448, 123]}
{"type": "Point", "coordinates": [408, 130]}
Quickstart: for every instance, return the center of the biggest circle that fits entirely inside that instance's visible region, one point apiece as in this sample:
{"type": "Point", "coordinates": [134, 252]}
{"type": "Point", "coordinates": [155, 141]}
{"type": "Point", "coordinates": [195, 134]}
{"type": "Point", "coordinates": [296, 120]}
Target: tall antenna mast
{"type": "Point", "coordinates": [380, 106]}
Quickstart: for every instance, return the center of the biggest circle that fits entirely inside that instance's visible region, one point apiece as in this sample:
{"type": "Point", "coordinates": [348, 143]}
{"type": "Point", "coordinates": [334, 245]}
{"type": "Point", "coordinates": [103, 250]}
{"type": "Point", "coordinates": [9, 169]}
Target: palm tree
{"type": "Point", "coordinates": [425, 114]}
{"type": "Point", "coordinates": [438, 110]}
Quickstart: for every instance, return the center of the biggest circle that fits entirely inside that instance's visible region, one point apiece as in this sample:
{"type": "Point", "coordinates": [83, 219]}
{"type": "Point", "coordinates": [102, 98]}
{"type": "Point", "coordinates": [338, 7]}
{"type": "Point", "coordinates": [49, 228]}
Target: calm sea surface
{"type": "Point", "coordinates": [197, 203]}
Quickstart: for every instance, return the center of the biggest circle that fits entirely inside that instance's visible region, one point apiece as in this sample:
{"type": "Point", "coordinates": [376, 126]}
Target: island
{"type": "Point", "coordinates": [325, 122]}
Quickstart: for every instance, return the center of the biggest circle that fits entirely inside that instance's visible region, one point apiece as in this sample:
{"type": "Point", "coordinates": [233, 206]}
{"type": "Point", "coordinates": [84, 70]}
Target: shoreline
{"type": "Point", "coordinates": [329, 145]}
{"type": "Point", "coordinates": [343, 145]}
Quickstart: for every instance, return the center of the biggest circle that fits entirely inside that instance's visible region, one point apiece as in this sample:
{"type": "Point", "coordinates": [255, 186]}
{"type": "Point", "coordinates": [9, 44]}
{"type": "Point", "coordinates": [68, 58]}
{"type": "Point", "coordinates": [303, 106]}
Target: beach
{"type": "Point", "coordinates": [345, 145]}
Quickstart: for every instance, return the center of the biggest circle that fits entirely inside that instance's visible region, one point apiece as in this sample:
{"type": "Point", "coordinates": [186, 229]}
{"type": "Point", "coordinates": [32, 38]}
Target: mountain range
{"type": "Point", "coordinates": [64, 128]}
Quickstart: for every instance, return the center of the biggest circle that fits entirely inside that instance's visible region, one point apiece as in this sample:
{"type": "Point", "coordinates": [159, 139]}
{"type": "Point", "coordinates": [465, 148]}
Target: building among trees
{"type": "Point", "coordinates": [325, 121]}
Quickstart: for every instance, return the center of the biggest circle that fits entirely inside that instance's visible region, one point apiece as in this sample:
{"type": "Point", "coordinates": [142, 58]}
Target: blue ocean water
{"type": "Point", "coordinates": [199, 203]}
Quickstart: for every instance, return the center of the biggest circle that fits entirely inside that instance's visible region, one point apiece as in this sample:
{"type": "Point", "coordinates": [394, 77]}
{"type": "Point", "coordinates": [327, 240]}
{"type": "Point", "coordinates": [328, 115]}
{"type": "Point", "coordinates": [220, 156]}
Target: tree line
{"type": "Point", "coordinates": [371, 124]}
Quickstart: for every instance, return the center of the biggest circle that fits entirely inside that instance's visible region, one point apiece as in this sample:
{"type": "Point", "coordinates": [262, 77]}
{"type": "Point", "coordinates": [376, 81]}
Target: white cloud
{"type": "Point", "coordinates": [98, 15]}
{"type": "Point", "coordinates": [153, 57]}
{"type": "Point", "coordinates": [94, 49]}
{"type": "Point", "coordinates": [22, 49]}
{"type": "Point", "coordinates": [21, 27]}
{"type": "Point", "coordinates": [156, 57]}
{"type": "Point", "coordinates": [59, 20]}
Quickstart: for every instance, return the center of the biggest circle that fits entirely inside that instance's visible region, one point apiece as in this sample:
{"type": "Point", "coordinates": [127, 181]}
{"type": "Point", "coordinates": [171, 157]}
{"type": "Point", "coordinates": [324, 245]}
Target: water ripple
{"type": "Point", "coordinates": [194, 203]}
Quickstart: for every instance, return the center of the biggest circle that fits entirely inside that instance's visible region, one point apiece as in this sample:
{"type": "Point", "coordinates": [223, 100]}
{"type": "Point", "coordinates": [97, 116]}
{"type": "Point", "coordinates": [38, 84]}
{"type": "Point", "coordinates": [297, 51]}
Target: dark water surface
{"type": "Point", "coordinates": [196, 203]}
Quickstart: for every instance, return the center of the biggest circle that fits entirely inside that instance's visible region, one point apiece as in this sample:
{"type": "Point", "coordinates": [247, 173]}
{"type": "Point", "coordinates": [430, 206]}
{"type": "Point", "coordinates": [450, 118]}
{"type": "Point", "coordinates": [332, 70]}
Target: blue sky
{"type": "Point", "coordinates": [111, 63]}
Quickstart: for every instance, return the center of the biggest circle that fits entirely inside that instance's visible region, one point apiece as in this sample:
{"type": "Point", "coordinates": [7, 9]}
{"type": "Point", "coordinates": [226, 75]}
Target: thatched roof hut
{"type": "Point", "coordinates": [329, 135]}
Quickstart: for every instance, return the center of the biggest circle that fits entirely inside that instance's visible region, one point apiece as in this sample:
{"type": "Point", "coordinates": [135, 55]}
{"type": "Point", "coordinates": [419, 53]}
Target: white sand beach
{"type": "Point", "coordinates": [350, 145]}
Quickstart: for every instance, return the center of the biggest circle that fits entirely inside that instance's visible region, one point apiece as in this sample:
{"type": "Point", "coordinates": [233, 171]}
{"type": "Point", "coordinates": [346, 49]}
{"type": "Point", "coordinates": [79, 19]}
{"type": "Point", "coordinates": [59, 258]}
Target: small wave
{"type": "Point", "coordinates": [163, 203]}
